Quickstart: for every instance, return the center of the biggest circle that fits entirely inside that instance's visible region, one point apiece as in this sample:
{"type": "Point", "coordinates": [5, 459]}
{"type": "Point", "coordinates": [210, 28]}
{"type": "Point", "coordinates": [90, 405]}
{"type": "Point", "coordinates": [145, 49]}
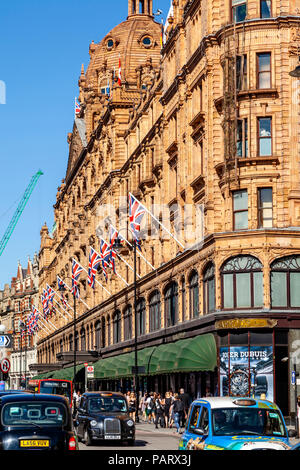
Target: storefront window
{"type": "Point", "coordinates": [242, 282]}
{"type": "Point", "coordinates": [285, 279]}
{"type": "Point", "coordinates": [246, 364]}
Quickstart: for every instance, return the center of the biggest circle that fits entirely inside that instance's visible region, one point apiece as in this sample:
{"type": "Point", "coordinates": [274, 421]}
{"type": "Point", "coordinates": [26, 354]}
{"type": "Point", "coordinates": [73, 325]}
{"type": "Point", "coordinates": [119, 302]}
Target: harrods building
{"type": "Point", "coordinates": [208, 120]}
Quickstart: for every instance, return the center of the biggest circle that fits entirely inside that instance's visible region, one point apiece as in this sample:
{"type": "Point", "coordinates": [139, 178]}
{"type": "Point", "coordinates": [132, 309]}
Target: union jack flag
{"type": "Point", "coordinates": [51, 295]}
{"type": "Point", "coordinates": [77, 107]}
{"type": "Point", "coordinates": [45, 303]}
{"type": "Point", "coordinates": [62, 288]}
{"type": "Point", "coordinates": [94, 261]}
{"type": "Point", "coordinates": [105, 252]}
{"type": "Point", "coordinates": [112, 263]}
{"type": "Point", "coordinates": [136, 213]}
{"type": "Point", "coordinates": [76, 271]}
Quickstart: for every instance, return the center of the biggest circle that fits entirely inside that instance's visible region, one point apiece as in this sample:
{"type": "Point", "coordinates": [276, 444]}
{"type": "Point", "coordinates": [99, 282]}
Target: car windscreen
{"type": "Point", "coordinates": [34, 413]}
{"type": "Point", "coordinates": [56, 388]}
{"type": "Point", "coordinates": [107, 404]}
{"type": "Point", "coordinates": [247, 421]}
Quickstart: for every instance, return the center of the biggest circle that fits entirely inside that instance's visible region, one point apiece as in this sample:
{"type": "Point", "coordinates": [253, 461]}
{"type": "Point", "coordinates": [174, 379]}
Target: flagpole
{"type": "Point", "coordinates": [63, 308]}
{"type": "Point", "coordinates": [79, 297]}
{"type": "Point", "coordinates": [95, 278]}
{"type": "Point", "coordinates": [119, 275]}
{"type": "Point", "coordinates": [140, 254]}
{"type": "Point", "coordinates": [74, 342]}
{"type": "Point", "coordinates": [63, 301]}
{"type": "Point", "coordinates": [60, 312]}
{"type": "Point", "coordinates": [162, 225]}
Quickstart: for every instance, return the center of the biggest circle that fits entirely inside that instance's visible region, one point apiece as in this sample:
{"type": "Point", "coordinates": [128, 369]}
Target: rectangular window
{"type": "Point", "coordinates": [278, 289]}
{"type": "Point", "coordinates": [265, 8]}
{"type": "Point", "coordinates": [228, 290]}
{"type": "Point", "coordinates": [264, 70]}
{"type": "Point", "coordinates": [243, 293]}
{"type": "Point", "coordinates": [294, 289]}
{"type": "Point", "coordinates": [241, 72]}
{"type": "Point", "coordinates": [265, 208]}
{"type": "Point", "coordinates": [240, 209]}
{"type": "Point", "coordinates": [265, 136]}
{"type": "Point", "coordinates": [242, 138]}
{"type": "Point", "coordinates": [239, 10]}
{"type": "Point", "coordinates": [258, 289]}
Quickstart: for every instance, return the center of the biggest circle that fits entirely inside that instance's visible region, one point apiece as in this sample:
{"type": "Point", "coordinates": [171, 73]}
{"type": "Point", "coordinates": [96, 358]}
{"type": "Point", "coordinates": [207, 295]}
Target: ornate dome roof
{"type": "Point", "coordinates": [133, 42]}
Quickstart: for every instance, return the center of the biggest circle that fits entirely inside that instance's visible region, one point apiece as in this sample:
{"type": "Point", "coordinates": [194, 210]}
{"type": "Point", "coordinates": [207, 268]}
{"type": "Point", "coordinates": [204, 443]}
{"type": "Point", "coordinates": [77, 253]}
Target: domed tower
{"type": "Point", "coordinates": [126, 58]}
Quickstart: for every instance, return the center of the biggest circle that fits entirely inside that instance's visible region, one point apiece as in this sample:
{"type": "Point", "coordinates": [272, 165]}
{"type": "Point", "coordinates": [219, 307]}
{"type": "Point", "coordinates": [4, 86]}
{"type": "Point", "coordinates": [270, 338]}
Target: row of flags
{"type": "Point", "coordinates": [104, 260]}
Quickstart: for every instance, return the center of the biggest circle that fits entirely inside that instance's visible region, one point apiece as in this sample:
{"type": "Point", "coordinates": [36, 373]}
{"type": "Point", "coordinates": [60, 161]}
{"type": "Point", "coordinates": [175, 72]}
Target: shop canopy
{"type": "Point", "coordinates": [186, 355]}
{"type": "Point", "coordinates": [65, 373]}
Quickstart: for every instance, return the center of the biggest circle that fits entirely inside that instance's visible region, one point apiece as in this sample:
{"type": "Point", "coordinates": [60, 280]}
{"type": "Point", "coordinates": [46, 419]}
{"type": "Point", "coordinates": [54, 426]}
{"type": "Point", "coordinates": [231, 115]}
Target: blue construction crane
{"type": "Point", "coordinates": [19, 210]}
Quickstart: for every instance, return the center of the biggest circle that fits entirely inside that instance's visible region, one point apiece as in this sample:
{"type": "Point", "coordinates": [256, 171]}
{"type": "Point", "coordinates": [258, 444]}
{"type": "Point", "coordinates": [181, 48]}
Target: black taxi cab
{"type": "Point", "coordinates": [30, 421]}
{"type": "Point", "coordinates": [104, 416]}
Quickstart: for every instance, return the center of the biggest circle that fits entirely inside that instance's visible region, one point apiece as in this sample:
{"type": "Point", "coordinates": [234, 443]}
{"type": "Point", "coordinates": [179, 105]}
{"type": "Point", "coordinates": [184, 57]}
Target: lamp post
{"type": "Point", "coordinates": [117, 245]}
{"type": "Point", "coordinates": [74, 342]}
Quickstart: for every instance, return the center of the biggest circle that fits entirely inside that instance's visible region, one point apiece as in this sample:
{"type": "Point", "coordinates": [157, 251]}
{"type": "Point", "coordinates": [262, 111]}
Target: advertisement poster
{"type": "Point", "coordinates": [246, 371]}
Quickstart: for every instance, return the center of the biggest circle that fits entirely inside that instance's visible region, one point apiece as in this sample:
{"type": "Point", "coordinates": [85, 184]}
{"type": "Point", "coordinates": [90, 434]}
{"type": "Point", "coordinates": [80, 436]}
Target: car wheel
{"type": "Point", "coordinates": [87, 438]}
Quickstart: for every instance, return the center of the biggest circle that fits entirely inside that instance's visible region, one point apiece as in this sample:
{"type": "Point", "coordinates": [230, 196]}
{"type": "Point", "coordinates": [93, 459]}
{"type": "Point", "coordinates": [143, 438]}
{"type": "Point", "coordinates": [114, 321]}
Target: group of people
{"type": "Point", "coordinates": [166, 411]}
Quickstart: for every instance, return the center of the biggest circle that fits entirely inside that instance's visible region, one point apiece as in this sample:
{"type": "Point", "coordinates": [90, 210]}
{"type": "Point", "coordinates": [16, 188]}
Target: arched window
{"type": "Point", "coordinates": [154, 311]}
{"type": "Point", "coordinates": [171, 304]}
{"type": "Point", "coordinates": [242, 282]}
{"type": "Point", "coordinates": [127, 322]}
{"type": "Point", "coordinates": [285, 282]}
{"type": "Point", "coordinates": [108, 331]}
{"type": "Point", "coordinates": [98, 335]}
{"type": "Point", "coordinates": [103, 335]}
{"type": "Point", "coordinates": [83, 339]}
{"type": "Point", "coordinates": [117, 327]}
{"type": "Point", "coordinates": [71, 343]}
{"type": "Point", "coordinates": [141, 316]}
{"type": "Point", "coordinates": [194, 294]}
{"type": "Point", "coordinates": [209, 288]}
{"type": "Point", "coordinates": [183, 306]}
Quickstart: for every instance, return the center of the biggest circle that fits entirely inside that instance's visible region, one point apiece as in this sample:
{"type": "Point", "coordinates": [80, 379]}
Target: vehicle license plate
{"type": "Point", "coordinates": [111, 436]}
{"type": "Point", "coordinates": [34, 443]}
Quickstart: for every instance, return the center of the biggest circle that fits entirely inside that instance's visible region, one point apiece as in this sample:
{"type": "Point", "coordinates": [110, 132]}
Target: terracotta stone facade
{"type": "Point", "coordinates": [210, 123]}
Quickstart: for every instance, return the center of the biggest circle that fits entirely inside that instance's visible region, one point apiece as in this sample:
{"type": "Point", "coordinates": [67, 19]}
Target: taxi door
{"type": "Point", "coordinates": [191, 424]}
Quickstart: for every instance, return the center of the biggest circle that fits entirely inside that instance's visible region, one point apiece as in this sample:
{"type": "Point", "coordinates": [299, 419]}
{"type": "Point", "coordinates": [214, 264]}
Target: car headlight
{"type": "Point", "coordinates": [93, 422]}
{"type": "Point", "coordinates": [130, 422]}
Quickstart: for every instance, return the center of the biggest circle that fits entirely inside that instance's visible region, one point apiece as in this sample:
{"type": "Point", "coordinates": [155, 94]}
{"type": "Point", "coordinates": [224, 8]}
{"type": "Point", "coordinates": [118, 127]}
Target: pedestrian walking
{"type": "Point", "coordinates": [178, 410]}
{"type": "Point", "coordinates": [132, 405]}
{"type": "Point", "coordinates": [143, 406]}
{"type": "Point", "coordinates": [150, 412]}
{"type": "Point", "coordinates": [159, 412]}
{"type": "Point", "coordinates": [186, 400]}
{"type": "Point", "coordinates": [168, 404]}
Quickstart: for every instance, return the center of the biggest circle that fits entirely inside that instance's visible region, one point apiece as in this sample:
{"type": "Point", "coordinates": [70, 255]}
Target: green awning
{"type": "Point", "coordinates": [66, 373]}
{"type": "Point", "coordinates": [186, 355]}
{"type": "Point", "coordinates": [121, 366]}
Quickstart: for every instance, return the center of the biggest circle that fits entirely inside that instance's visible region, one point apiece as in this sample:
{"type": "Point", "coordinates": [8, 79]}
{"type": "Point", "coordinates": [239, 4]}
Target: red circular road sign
{"type": "Point", "coordinates": [5, 365]}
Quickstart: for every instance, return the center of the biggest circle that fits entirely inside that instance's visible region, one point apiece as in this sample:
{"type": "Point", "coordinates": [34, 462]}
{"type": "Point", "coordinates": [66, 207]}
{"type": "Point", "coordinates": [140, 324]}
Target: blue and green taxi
{"type": "Point", "coordinates": [229, 423]}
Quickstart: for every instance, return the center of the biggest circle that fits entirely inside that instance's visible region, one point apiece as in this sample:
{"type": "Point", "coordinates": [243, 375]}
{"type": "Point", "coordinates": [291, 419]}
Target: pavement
{"type": "Point", "coordinates": [150, 427]}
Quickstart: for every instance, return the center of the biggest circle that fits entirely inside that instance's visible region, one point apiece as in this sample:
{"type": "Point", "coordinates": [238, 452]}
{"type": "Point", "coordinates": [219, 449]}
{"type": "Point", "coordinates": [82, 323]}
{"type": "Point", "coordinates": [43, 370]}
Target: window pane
{"type": "Point", "coordinates": [264, 127]}
{"type": "Point", "coordinates": [239, 13]}
{"type": "Point", "coordinates": [278, 289]}
{"type": "Point", "coordinates": [240, 200]}
{"type": "Point", "coordinates": [264, 80]}
{"type": "Point", "coordinates": [264, 62]}
{"type": "Point", "coordinates": [294, 289]}
{"type": "Point", "coordinates": [241, 220]}
{"type": "Point", "coordinates": [265, 6]}
{"type": "Point", "coordinates": [243, 291]}
{"type": "Point", "coordinates": [258, 289]}
{"type": "Point", "coordinates": [211, 295]}
{"type": "Point", "coordinates": [265, 147]}
{"type": "Point", "coordinates": [228, 290]}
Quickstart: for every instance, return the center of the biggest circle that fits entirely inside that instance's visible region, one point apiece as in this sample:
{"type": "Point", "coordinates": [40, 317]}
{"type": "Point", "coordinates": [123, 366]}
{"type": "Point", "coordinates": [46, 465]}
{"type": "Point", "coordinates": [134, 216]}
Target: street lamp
{"type": "Point", "coordinates": [117, 245]}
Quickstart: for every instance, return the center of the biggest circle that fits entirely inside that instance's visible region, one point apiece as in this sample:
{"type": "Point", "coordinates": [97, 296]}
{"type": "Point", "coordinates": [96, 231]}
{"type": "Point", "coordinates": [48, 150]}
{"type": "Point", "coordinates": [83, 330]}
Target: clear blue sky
{"type": "Point", "coordinates": [42, 46]}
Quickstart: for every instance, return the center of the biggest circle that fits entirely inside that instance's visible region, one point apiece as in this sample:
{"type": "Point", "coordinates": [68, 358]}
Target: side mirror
{"type": "Point", "coordinates": [292, 433]}
{"type": "Point", "coordinates": [199, 431]}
